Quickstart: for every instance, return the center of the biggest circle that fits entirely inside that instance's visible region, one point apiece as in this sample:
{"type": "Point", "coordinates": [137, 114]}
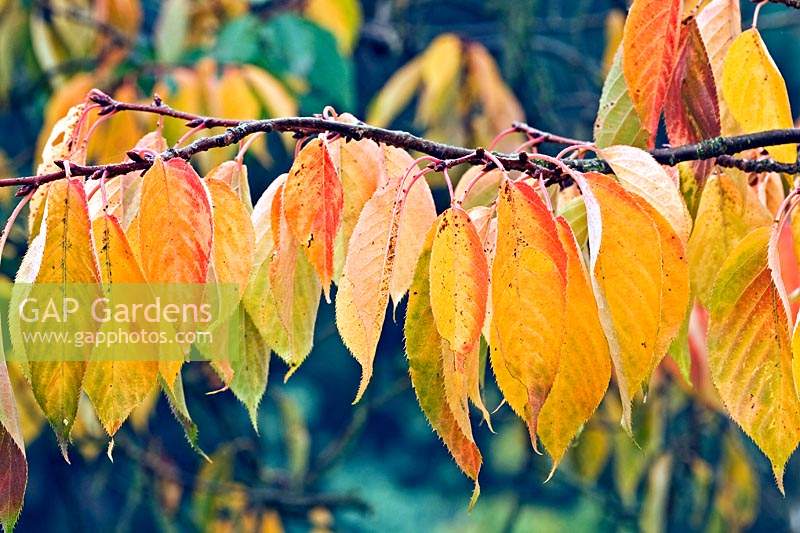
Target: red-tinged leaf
{"type": "Point", "coordinates": [528, 301]}
{"type": "Point", "coordinates": [295, 290]}
{"type": "Point", "coordinates": [376, 262]}
{"type": "Point", "coordinates": [650, 45]}
{"type": "Point", "coordinates": [585, 368]}
{"type": "Point", "coordinates": [691, 110]}
{"type": "Point", "coordinates": [13, 463]}
{"type": "Point", "coordinates": [173, 236]}
{"type": "Point", "coordinates": [424, 348]}
{"type": "Point", "coordinates": [459, 281]}
{"type": "Point", "coordinates": [749, 351]}
{"type": "Point", "coordinates": [313, 202]}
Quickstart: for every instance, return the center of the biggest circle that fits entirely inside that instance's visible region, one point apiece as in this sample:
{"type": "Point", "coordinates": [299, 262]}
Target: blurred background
{"type": "Point", "coordinates": [319, 463]}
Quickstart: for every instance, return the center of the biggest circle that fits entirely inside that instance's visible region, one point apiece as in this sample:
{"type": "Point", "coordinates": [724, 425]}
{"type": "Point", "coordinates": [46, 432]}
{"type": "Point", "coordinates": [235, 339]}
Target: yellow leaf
{"type": "Point", "coordinates": [360, 168]}
{"type": "Point", "coordinates": [116, 135]}
{"type": "Point", "coordinates": [640, 279]}
{"type": "Point", "coordinates": [424, 347]}
{"type": "Point", "coordinates": [341, 17]}
{"type": "Point", "coordinates": [749, 354]}
{"type": "Point", "coordinates": [749, 70]}
{"type": "Point", "coordinates": [728, 211]}
{"type": "Point", "coordinates": [234, 175]}
{"type": "Point", "coordinates": [459, 281]}
{"type": "Point", "coordinates": [117, 387]}
{"type": "Point", "coordinates": [376, 257]}
{"type": "Point", "coordinates": [585, 368]}
{"type": "Point", "coordinates": [67, 257]}
{"type": "Point", "coordinates": [441, 72]}
{"type": "Point", "coordinates": [639, 173]}
{"type": "Point", "coordinates": [313, 201]}
{"type": "Point", "coordinates": [275, 98]}
{"type": "Point", "coordinates": [614, 25]}
{"type": "Point", "coordinates": [396, 94]}
{"type": "Point", "coordinates": [528, 301]}
{"type": "Point", "coordinates": [234, 238]}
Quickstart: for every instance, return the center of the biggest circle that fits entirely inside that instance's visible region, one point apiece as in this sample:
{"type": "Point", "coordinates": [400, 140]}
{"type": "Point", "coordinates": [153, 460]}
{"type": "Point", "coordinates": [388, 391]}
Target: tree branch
{"type": "Point", "coordinates": [789, 3]}
{"type": "Point", "coordinates": [447, 154]}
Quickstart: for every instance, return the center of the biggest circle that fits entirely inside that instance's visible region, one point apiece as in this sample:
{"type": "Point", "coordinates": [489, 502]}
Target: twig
{"type": "Point", "coordinates": [303, 126]}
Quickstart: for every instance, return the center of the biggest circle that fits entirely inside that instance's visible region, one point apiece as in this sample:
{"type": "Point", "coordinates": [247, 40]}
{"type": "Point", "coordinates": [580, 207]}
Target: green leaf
{"type": "Point", "coordinates": [617, 121]}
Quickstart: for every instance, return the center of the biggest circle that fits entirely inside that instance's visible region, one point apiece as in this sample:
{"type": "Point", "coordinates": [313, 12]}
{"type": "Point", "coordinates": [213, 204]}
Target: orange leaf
{"type": "Point", "coordinates": [650, 46]}
{"type": "Point", "coordinates": [528, 299]}
{"type": "Point", "coordinates": [313, 202]}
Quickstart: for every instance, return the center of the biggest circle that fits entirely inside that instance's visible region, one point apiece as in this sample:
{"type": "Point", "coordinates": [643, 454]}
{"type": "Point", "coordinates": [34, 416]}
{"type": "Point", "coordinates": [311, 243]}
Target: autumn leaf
{"type": "Point", "coordinates": [585, 367]}
{"type": "Point", "coordinates": [234, 175]}
{"type": "Point", "coordinates": [359, 165]}
{"type": "Point", "coordinates": [283, 294]}
{"type": "Point", "coordinates": [13, 463]}
{"type": "Point", "coordinates": [728, 211]}
{"type": "Point", "coordinates": [396, 94]}
{"type": "Point", "coordinates": [483, 192]}
{"type": "Point", "coordinates": [640, 279]}
{"type": "Point", "coordinates": [341, 17]}
{"type": "Point", "coordinates": [313, 202]}
{"type": "Point", "coordinates": [234, 237]}
{"type": "Point", "coordinates": [639, 173]}
{"type": "Point", "coordinates": [459, 280]}
{"type": "Point", "coordinates": [383, 250]}
{"type": "Point", "coordinates": [528, 301]}
{"type": "Point", "coordinates": [749, 351]}
{"type": "Point", "coordinates": [116, 387]}
{"type": "Point", "coordinates": [719, 23]}
{"type": "Point", "coordinates": [691, 110]}
{"type": "Point", "coordinates": [66, 257]}
{"type": "Point", "coordinates": [441, 68]}
{"type": "Point", "coordinates": [617, 120]}
{"type": "Point", "coordinates": [750, 70]}
{"type": "Point", "coordinates": [650, 45]}
{"type": "Point", "coordinates": [173, 237]}
{"type": "Point", "coordinates": [424, 351]}
{"type": "Point", "coordinates": [250, 368]}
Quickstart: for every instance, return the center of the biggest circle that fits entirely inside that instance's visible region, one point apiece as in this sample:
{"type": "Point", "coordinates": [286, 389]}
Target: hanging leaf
{"type": "Point", "coordinates": [116, 387]}
{"type": "Point", "coordinates": [719, 23]}
{"type": "Point", "coordinates": [340, 17]}
{"type": "Point", "coordinates": [640, 279]}
{"type": "Point", "coordinates": [291, 291]}
{"type": "Point", "coordinates": [234, 175]}
{"type": "Point", "coordinates": [173, 236]}
{"type": "Point", "coordinates": [639, 173]}
{"type": "Point", "coordinates": [459, 281]}
{"type": "Point", "coordinates": [424, 349]}
{"type": "Point", "coordinates": [441, 68]}
{"type": "Point", "coordinates": [67, 257]}
{"type": "Point", "coordinates": [728, 211]}
{"type": "Point", "coordinates": [528, 301]}
{"type": "Point", "coordinates": [384, 247]}
{"type": "Point", "coordinates": [360, 168]}
{"type": "Point", "coordinates": [617, 120]}
{"type": "Point", "coordinates": [692, 110]}
{"type": "Point", "coordinates": [13, 463]}
{"type": "Point", "coordinates": [585, 367]}
{"type": "Point", "coordinates": [749, 353]}
{"type": "Point", "coordinates": [313, 201]}
{"type": "Point", "coordinates": [234, 238]}
{"type": "Point", "coordinates": [250, 368]}
{"type": "Point", "coordinates": [396, 94]}
{"type": "Point", "coordinates": [650, 46]}
{"type": "Point", "coordinates": [749, 70]}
